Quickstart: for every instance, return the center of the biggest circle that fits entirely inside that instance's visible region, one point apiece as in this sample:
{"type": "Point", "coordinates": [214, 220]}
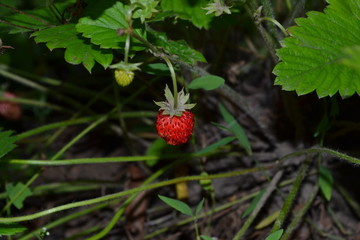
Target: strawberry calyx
{"type": "Point", "coordinates": [126, 66]}
{"type": "Point", "coordinates": [168, 107]}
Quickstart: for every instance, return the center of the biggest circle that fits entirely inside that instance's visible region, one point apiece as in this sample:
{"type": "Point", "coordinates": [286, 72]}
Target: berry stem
{"type": "Point", "coordinates": [128, 34]}
{"type": "Point", "coordinates": [127, 48]}
{"type": "Point", "coordinates": [173, 77]}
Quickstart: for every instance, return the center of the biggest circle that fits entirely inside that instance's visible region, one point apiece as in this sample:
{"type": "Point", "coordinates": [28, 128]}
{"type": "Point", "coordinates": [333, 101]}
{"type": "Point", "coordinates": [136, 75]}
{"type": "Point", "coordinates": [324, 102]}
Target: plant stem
{"type": "Point", "coordinates": [121, 210]}
{"type": "Point", "coordinates": [276, 23]}
{"type": "Point", "coordinates": [79, 121]}
{"type": "Point", "coordinates": [300, 214]}
{"type": "Point", "coordinates": [127, 48]}
{"type": "Point", "coordinates": [173, 77]}
{"type": "Point", "coordinates": [261, 203]}
{"type": "Point", "coordinates": [196, 229]}
{"type": "Point", "coordinates": [290, 198]}
{"type": "Point", "coordinates": [124, 193]}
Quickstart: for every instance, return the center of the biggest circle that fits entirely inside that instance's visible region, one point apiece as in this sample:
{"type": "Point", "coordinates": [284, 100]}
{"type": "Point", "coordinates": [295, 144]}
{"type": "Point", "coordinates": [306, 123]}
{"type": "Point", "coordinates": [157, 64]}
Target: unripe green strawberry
{"type": "Point", "coordinates": [175, 123]}
{"type": "Point", "coordinates": [10, 110]}
{"type": "Point", "coordinates": [124, 77]}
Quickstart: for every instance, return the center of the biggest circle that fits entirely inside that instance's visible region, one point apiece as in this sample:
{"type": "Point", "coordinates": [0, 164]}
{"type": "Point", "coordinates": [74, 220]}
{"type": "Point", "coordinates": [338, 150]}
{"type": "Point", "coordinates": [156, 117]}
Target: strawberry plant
{"type": "Point", "coordinates": [231, 107]}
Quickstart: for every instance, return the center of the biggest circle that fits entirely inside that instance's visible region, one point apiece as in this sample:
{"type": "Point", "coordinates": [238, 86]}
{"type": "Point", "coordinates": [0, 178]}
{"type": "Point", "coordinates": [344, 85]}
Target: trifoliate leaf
{"type": "Point", "coordinates": [176, 48]}
{"type": "Point", "coordinates": [103, 26]}
{"type": "Point", "coordinates": [189, 10]}
{"type": "Point", "coordinates": [311, 58]}
{"type": "Point", "coordinates": [17, 193]}
{"type": "Point", "coordinates": [78, 49]}
{"type": "Point", "coordinates": [6, 142]}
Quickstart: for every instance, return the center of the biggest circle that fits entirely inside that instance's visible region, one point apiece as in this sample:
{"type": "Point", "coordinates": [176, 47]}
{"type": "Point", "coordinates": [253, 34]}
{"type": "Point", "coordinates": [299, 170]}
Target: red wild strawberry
{"type": "Point", "coordinates": [10, 110]}
{"type": "Point", "coordinates": [175, 124]}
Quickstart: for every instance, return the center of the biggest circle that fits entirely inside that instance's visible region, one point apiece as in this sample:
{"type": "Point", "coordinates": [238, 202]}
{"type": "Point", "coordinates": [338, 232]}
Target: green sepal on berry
{"type": "Point", "coordinates": [169, 107]}
{"type": "Point", "coordinates": [126, 66]}
{"type": "Point", "coordinates": [124, 72]}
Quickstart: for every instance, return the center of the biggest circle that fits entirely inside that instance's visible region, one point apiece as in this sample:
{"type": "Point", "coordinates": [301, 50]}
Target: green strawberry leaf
{"type": "Point", "coordinates": [158, 69]}
{"type": "Point", "coordinates": [236, 129]}
{"type": "Point", "coordinates": [189, 10]}
{"type": "Point", "coordinates": [199, 206]}
{"type": "Point", "coordinates": [78, 49]}
{"type": "Point", "coordinates": [275, 235]}
{"type": "Point", "coordinates": [209, 82]}
{"type": "Point", "coordinates": [325, 182]}
{"type": "Point", "coordinates": [11, 229]}
{"type": "Point", "coordinates": [6, 142]}
{"type": "Point", "coordinates": [177, 205]}
{"type": "Point", "coordinates": [203, 237]}
{"type": "Point", "coordinates": [311, 58]}
{"type": "Point", "coordinates": [177, 48]}
{"type": "Point", "coordinates": [103, 23]}
{"type": "Point", "coordinates": [44, 17]}
{"type": "Point", "coordinates": [352, 57]}
{"type": "Point", "coordinates": [17, 193]}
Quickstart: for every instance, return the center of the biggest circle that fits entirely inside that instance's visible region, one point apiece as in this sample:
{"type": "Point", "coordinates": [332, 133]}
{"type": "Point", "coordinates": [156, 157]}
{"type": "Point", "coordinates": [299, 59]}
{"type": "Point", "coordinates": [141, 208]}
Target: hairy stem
{"type": "Point", "coordinates": [123, 193]}
{"type": "Point", "coordinates": [173, 77]}
{"type": "Point", "coordinates": [261, 203]}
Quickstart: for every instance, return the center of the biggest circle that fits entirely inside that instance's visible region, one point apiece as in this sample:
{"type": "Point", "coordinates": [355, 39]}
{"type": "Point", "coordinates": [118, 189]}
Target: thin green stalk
{"type": "Point", "coordinates": [127, 48]}
{"type": "Point", "coordinates": [83, 233]}
{"type": "Point", "coordinates": [276, 23]}
{"type": "Point", "coordinates": [106, 159]}
{"type": "Point", "coordinates": [121, 210]}
{"type": "Point", "coordinates": [17, 78]}
{"type": "Point", "coordinates": [80, 121]}
{"type": "Point", "coordinates": [124, 193]}
{"type": "Point", "coordinates": [348, 198]}
{"type": "Point", "coordinates": [78, 113]}
{"type": "Point", "coordinates": [269, 13]}
{"type": "Point", "coordinates": [18, 194]}
{"type": "Point", "coordinates": [299, 216]}
{"type": "Point", "coordinates": [173, 77]}
{"type": "Point", "coordinates": [67, 187]}
{"type": "Point", "coordinates": [36, 103]}
{"type": "Point", "coordinates": [58, 154]}
{"type": "Point", "coordinates": [4, 72]}
{"type": "Point", "coordinates": [217, 209]}
{"type": "Point", "coordinates": [261, 203]}
{"type": "Point", "coordinates": [78, 137]}
{"type": "Point", "coordinates": [337, 222]}
{"type": "Point", "coordinates": [65, 219]}
{"type": "Point", "coordinates": [321, 232]}
{"type": "Point", "coordinates": [337, 154]}
{"type": "Point", "coordinates": [291, 197]}
{"type": "Point", "coordinates": [67, 87]}
{"type": "Point", "coordinates": [196, 229]}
